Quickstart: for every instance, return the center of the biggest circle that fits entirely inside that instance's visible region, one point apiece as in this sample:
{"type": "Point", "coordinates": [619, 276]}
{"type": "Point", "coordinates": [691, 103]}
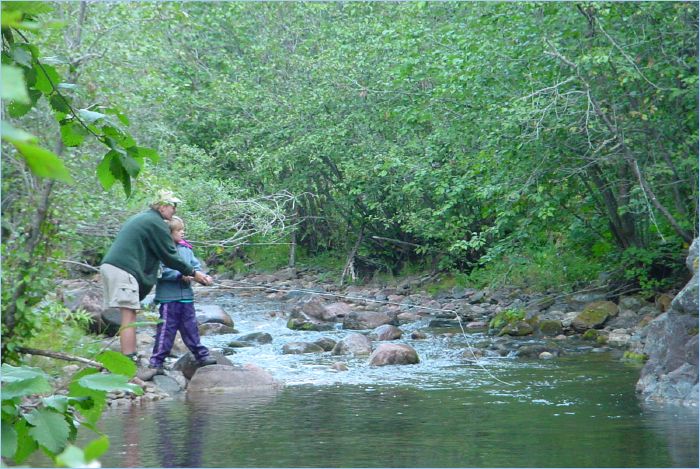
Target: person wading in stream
{"type": "Point", "coordinates": [176, 298]}
{"type": "Point", "coordinates": [130, 268]}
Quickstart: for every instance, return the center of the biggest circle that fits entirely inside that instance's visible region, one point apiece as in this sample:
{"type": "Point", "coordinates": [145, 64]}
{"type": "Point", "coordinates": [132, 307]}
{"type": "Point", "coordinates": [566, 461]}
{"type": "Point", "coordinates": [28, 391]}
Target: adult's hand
{"type": "Point", "coordinates": [201, 277]}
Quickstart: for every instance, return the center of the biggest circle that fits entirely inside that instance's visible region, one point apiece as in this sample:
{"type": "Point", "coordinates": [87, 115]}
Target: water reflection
{"type": "Point", "coordinates": [389, 426]}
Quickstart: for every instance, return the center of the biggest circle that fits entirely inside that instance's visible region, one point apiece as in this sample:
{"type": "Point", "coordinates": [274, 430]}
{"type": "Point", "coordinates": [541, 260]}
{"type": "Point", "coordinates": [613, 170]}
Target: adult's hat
{"type": "Point", "coordinates": [166, 197]}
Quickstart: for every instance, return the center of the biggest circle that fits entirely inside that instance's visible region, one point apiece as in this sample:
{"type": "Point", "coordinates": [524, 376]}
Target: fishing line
{"type": "Point", "coordinates": [249, 286]}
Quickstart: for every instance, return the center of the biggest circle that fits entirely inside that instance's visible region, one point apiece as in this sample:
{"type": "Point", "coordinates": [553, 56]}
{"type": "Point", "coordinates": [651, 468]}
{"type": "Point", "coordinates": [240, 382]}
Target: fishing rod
{"type": "Point", "coordinates": [249, 286]}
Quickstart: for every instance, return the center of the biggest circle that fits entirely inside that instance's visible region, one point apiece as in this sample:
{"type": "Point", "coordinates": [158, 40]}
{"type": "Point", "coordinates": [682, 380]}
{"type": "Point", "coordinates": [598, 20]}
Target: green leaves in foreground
{"type": "Point", "coordinates": [53, 424]}
{"type": "Point", "coordinates": [27, 77]}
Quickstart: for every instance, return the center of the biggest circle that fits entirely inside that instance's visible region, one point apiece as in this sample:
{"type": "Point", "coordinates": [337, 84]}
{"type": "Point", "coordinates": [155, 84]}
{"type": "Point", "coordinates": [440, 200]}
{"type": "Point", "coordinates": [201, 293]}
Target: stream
{"type": "Point", "coordinates": [577, 410]}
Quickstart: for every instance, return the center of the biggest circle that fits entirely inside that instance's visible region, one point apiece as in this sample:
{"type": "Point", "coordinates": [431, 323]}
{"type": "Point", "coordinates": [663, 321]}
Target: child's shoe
{"type": "Point", "coordinates": [206, 361]}
{"type": "Point", "coordinates": [147, 374]}
{"type": "Point", "coordinates": [158, 370]}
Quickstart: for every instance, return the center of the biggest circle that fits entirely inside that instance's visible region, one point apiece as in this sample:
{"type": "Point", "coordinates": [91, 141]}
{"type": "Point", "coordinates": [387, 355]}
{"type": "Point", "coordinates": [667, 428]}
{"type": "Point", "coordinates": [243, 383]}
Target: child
{"type": "Point", "coordinates": [176, 298]}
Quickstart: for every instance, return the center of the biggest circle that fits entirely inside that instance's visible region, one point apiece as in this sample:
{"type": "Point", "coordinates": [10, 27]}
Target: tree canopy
{"type": "Point", "coordinates": [452, 135]}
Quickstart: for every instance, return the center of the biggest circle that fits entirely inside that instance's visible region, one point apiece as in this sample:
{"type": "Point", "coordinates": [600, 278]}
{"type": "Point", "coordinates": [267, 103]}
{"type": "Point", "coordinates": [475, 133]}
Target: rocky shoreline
{"type": "Point", "coordinates": [663, 334]}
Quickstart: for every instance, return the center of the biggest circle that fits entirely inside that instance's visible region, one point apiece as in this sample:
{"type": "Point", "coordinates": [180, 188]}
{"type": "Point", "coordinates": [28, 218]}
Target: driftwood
{"type": "Point", "coordinates": [59, 355]}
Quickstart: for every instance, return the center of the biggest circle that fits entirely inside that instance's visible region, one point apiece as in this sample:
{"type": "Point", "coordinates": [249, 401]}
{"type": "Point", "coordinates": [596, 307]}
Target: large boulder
{"type": "Point", "coordinates": [671, 345]}
{"type": "Point", "coordinates": [295, 348]}
{"type": "Point", "coordinates": [226, 378]}
{"type": "Point", "coordinates": [301, 323]}
{"type": "Point", "coordinates": [214, 328]}
{"type": "Point", "coordinates": [256, 337]}
{"type": "Point", "coordinates": [394, 354]}
{"type": "Point", "coordinates": [325, 343]}
{"type": "Point", "coordinates": [90, 299]}
{"type": "Point", "coordinates": [517, 329]}
{"type": "Point", "coordinates": [337, 311]}
{"type": "Point", "coordinates": [213, 314]}
{"type": "Point", "coordinates": [686, 301]}
{"type": "Point", "coordinates": [361, 320]}
{"type": "Point", "coordinates": [188, 365]}
{"type": "Point", "coordinates": [353, 344]}
{"type": "Point", "coordinates": [671, 371]}
{"type": "Point", "coordinates": [386, 332]}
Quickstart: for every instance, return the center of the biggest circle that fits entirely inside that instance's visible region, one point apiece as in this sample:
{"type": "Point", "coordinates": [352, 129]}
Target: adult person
{"type": "Point", "coordinates": [130, 268]}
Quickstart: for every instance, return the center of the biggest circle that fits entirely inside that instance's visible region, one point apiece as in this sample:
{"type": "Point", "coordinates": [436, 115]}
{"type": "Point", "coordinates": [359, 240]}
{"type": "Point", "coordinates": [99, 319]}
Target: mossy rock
{"type": "Point", "coordinates": [550, 327]}
{"type": "Point", "coordinates": [517, 329]}
{"type": "Point", "coordinates": [602, 339]}
{"type": "Point", "coordinates": [298, 324]}
{"type": "Point", "coordinates": [505, 317]}
{"type": "Point", "coordinates": [594, 315]}
{"type": "Point", "coordinates": [590, 334]}
{"type": "Point", "coordinates": [634, 357]}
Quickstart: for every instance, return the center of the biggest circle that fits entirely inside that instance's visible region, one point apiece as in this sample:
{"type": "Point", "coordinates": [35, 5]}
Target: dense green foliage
{"type": "Point", "coordinates": [532, 144]}
{"type": "Point", "coordinates": [455, 135]}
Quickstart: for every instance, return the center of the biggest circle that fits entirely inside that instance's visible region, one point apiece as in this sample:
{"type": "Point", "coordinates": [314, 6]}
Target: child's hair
{"type": "Point", "coordinates": [175, 223]}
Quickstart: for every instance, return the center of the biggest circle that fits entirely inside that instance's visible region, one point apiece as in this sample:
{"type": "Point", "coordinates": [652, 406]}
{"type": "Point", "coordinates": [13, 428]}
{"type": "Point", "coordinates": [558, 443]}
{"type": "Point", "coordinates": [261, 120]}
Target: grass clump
{"type": "Point", "coordinates": [505, 317]}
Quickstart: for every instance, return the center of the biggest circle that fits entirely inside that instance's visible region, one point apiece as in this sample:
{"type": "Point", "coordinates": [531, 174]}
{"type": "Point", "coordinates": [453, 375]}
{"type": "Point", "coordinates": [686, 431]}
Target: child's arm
{"type": "Point", "coordinates": [198, 267]}
{"type": "Point", "coordinates": [169, 275]}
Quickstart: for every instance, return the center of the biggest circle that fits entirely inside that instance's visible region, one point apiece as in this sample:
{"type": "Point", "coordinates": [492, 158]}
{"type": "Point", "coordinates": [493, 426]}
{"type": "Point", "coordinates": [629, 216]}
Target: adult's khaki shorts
{"type": "Point", "coordinates": [120, 288]}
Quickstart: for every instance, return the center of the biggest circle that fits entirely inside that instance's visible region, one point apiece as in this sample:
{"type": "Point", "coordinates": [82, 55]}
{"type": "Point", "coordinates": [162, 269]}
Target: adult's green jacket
{"type": "Point", "coordinates": [143, 242]}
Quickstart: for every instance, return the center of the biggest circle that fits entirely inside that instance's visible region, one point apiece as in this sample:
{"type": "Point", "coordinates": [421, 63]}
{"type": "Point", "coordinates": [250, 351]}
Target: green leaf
{"type": "Point", "coordinates": [73, 134]}
{"type": "Point", "coordinates": [25, 443]}
{"type": "Point", "coordinates": [13, 374]}
{"type": "Point", "coordinates": [123, 139]}
{"type": "Point", "coordinates": [96, 448]}
{"type": "Point", "coordinates": [49, 429]}
{"type": "Point", "coordinates": [21, 54]}
{"type": "Point", "coordinates": [108, 383]}
{"type": "Point", "coordinates": [72, 456]}
{"type": "Point", "coordinates": [90, 409]}
{"type": "Point", "coordinates": [16, 109]}
{"type": "Point", "coordinates": [11, 19]}
{"type": "Point", "coordinates": [36, 385]}
{"type": "Point", "coordinates": [9, 410]}
{"type": "Point", "coordinates": [57, 402]}
{"type": "Point", "coordinates": [43, 162]}
{"type": "Point", "coordinates": [13, 134]}
{"type": "Point", "coordinates": [46, 78]}
{"type": "Point", "coordinates": [117, 363]}
{"type": "Point", "coordinates": [131, 165]}
{"type": "Point", "coordinates": [104, 173]}
{"type": "Point", "coordinates": [9, 440]}
{"type": "Point", "coordinates": [90, 117]}
{"type": "Point", "coordinates": [59, 103]}
{"type": "Point", "coordinates": [14, 87]}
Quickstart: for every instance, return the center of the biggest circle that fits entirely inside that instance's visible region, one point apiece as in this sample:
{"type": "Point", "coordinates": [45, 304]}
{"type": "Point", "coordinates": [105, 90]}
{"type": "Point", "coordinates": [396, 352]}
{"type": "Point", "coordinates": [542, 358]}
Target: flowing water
{"type": "Point", "coordinates": [574, 411]}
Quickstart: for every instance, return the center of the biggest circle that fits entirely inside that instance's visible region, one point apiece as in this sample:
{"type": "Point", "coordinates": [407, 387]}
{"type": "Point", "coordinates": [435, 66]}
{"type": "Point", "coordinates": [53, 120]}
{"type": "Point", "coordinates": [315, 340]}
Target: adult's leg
{"type": "Point", "coordinates": [127, 336]}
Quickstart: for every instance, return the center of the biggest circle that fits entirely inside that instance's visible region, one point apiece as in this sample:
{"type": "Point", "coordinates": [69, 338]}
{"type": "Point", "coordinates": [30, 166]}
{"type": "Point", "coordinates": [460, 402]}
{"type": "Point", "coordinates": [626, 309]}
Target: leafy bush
{"type": "Point", "coordinates": [538, 268]}
{"type": "Point", "coordinates": [52, 425]}
{"type": "Point", "coordinates": [654, 269]}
